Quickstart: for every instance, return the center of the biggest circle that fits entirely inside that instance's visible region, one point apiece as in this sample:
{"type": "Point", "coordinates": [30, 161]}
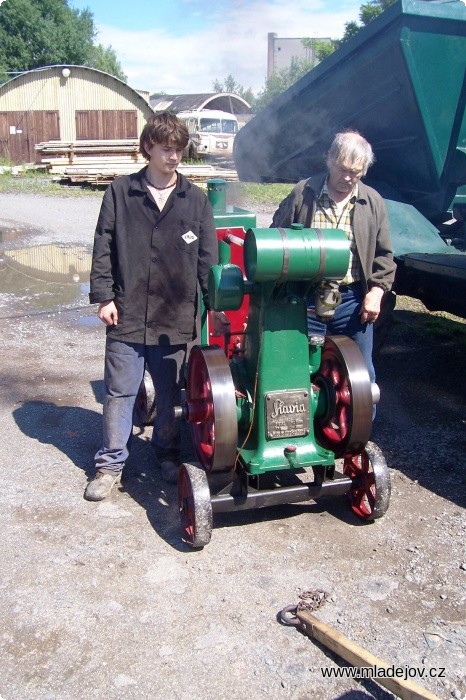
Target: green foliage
{"type": "Point", "coordinates": [229, 84]}
{"type": "Point", "coordinates": [438, 327]}
{"type": "Point", "coordinates": [325, 48]}
{"type": "Point", "coordinates": [37, 182]}
{"type": "Point", "coordinates": [372, 9]}
{"type": "Point", "coordinates": [105, 59]}
{"type": "Point", "coordinates": [351, 29]}
{"type": "Point", "coordinates": [321, 48]}
{"type": "Point", "coordinates": [282, 80]}
{"type": "Point", "coordinates": [443, 326]}
{"type": "Point", "coordinates": [263, 194]}
{"type": "Point", "coordinates": [367, 12]}
{"type": "Point", "coordinates": [34, 181]}
{"type": "Point", "coordinates": [37, 33]}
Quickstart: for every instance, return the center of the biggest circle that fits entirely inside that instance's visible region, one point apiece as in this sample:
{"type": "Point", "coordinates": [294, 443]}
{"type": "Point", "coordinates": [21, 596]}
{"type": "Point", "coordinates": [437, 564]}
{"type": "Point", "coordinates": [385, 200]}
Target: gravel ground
{"type": "Point", "coordinates": [103, 600]}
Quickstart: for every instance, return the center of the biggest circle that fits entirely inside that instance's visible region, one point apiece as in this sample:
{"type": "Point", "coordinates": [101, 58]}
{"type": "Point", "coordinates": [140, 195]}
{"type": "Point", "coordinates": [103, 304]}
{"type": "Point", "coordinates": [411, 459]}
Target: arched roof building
{"type": "Point", "coordinates": [66, 103]}
{"type": "Point", "coordinates": [224, 101]}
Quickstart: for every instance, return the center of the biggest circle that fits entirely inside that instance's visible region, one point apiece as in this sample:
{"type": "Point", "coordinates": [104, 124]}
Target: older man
{"type": "Point", "coordinates": [340, 200]}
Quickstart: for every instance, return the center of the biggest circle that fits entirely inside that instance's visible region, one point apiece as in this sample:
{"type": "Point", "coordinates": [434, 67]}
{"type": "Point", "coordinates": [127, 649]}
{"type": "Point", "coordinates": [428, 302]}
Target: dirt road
{"type": "Point", "coordinates": [103, 600]}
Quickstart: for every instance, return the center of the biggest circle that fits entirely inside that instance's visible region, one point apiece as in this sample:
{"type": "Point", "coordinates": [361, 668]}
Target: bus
{"type": "Point", "coordinates": [211, 133]}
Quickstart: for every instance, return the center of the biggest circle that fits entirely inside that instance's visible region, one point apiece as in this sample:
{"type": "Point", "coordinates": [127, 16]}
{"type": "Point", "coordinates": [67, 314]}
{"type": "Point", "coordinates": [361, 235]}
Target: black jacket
{"type": "Point", "coordinates": [149, 262]}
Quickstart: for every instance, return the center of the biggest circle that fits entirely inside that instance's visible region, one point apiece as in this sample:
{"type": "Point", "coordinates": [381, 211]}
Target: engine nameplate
{"type": "Point", "coordinates": [286, 414]}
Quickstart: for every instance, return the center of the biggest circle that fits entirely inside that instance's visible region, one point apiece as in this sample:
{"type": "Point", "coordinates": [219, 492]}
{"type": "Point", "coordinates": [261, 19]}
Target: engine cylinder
{"type": "Point", "coordinates": [295, 254]}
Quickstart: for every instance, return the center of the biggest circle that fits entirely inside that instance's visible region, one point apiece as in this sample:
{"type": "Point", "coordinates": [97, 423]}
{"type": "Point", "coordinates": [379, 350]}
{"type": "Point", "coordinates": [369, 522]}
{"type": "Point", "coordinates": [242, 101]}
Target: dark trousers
{"type": "Point", "coordinates": [346, 322]}
{"type": "Point", "coordinates": [124, 370]}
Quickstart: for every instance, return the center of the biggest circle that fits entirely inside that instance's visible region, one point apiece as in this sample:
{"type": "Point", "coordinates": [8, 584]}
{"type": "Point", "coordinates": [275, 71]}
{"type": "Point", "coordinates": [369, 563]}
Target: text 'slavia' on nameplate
{"type": "Point", "coordinates": [287, 414]}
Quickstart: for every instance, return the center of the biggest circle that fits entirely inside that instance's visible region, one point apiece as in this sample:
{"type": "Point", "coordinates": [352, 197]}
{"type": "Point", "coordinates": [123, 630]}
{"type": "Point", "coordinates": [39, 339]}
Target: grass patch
{"type": "Point", "coordinates": [264, 194]}
{"type": "Point", "coordinates": [29, 181]}
{"type": "Point", "coordinates": [444, 326]}
{"type": "Point", "coordinates": [411, 316]}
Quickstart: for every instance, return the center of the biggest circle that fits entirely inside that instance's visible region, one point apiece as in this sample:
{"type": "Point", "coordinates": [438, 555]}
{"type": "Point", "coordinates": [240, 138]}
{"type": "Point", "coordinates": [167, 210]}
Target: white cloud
{"type": "Point", "coordinates": [235, 43]}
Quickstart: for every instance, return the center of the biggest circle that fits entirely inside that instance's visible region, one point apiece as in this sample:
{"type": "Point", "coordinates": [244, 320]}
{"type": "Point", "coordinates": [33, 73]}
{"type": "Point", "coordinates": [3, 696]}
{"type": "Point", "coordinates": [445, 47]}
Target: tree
{"type": "Point", "coordinates": [282, 80]}
{"type": "Point", "coordinates": [367, 12]}
{"type": "Point", "coordinates": [230, 85]}
{"type": "Point", "coordinates": [320, 48]}
{"type": "Point", "coordinates": [105, 59]}
{"type": "Point", "coordinates": [351, 29]}
{"type": "Point", "coordinates": [36, 33]}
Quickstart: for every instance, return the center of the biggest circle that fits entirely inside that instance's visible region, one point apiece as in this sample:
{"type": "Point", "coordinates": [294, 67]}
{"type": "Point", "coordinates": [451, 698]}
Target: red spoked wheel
{"type": "Point", "coordinates": [370, 494]}
{"type": "Point", "coordinates": [211, 408]}
{"type": "Point", "coordinates": [344, 378]}
{"type": "Point", "coordinates": [194, 505]}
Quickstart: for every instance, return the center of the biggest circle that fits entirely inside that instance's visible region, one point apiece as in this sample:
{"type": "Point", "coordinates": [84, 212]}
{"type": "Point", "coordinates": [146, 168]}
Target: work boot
{"type": "Point", "coordinates": [169, 471]}
{"type": "Point", "coordinates": [101, 485]}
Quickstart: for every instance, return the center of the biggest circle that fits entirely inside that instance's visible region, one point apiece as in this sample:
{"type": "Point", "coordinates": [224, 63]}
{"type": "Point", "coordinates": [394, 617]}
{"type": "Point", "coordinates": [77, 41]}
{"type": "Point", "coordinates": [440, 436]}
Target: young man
{"type": "Point", "coordinates": [155, 240]}
{"type": "Point", "coordinates": [340, 200]}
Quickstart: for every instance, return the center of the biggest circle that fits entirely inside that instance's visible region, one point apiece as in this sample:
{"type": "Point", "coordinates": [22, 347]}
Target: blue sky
{"type": "Point", "coordinates": [183, 46]}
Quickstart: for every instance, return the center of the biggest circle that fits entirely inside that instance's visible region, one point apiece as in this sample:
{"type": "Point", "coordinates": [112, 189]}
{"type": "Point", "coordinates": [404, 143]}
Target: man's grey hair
{"type": "Point", "coordinates": [350, 147]}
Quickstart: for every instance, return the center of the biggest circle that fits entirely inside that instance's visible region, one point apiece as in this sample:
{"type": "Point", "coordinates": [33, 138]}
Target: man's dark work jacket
{"type": "Point", "coordinates": [149, 262]}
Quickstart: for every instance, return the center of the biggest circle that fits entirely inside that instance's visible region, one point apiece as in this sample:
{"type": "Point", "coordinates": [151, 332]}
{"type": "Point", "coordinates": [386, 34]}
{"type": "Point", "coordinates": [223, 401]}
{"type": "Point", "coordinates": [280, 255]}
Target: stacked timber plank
{"type": "Point", "coordinates": [100, 162]}
{"type": "Point", "coordinates": [94, 162]}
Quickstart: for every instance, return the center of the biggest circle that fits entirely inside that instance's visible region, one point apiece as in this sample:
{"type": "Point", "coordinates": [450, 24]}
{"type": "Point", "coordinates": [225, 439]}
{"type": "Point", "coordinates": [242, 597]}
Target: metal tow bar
{"type": "Point", "coordinates": [351, 652]}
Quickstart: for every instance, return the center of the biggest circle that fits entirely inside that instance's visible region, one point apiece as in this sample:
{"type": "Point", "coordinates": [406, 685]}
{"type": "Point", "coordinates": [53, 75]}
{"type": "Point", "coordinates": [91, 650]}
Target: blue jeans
{"type": "Point", "coordinates": [346, 322]}
{"type": "Point", "coordinates": [124, 370]}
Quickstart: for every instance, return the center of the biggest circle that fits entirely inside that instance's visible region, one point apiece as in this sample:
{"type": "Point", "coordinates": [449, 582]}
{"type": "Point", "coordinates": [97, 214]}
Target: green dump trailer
{"type": "Point", "coordinates": [400, 82]}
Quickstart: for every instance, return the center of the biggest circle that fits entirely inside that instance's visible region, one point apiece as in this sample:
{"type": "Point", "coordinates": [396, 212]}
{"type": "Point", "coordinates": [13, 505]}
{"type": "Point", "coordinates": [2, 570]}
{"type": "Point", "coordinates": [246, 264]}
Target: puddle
{"type": "Point", "coordinates": [89, 321]}
{"type": "Point", "coordinates": [42, 278]}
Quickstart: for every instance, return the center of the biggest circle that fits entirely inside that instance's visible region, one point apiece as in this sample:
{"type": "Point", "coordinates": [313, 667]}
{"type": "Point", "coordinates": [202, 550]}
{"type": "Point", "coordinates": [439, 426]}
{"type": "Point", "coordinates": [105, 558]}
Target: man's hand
{"type": "Point", "coordinates": [370, 308]}
{"type": "Point", "coordinates": [108, 313]}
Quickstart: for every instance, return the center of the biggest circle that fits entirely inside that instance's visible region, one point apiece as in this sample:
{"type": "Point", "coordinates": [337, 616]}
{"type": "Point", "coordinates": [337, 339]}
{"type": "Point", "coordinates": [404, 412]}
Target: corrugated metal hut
{"type": "Point", "coordinates": [68, 104]}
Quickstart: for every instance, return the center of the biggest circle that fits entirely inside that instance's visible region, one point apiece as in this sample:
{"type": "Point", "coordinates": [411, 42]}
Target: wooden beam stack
{"type": "Point", "coordinates": [100, 162]}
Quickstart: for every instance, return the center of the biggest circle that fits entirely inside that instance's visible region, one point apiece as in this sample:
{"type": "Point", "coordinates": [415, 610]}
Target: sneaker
{"type": "Point", "coordinates": [169, 471]}
{"type": "Point", "coordinates": [101, 486]}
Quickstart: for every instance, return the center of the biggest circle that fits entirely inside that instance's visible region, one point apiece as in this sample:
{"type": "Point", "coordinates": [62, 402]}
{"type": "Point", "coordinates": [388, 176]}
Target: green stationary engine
{"type": "Point", "coordinates": [269, 421]}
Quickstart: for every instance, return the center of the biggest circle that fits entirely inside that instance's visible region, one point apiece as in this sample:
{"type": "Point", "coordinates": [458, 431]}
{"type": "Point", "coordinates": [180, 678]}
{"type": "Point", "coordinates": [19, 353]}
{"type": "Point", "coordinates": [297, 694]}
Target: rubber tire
{"type": "Point", "coordinates": [144, 407]}
{"type": "Point", "coordinates": [379, 476]}
{"type": "Point", "coordinates": [194, 505]}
